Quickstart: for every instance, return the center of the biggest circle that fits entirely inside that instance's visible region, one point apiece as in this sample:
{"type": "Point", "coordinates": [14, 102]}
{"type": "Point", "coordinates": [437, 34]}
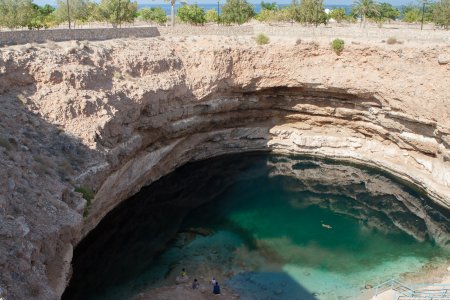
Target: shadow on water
{"type": "Point", "coordinates": [269, 285]}
{"type": "Point", "coordinates": [221, 204]}
{"type": "Point", "coordinates": [125, 242]}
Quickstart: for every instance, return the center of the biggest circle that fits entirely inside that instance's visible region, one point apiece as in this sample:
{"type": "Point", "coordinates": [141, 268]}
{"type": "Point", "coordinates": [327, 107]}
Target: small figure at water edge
{"type": "Point", "coordinates": [216, 289]}
{"type": "Point", "coordinates": [183, 273]}
{"type": "Point", "coordinates": [213, 281]}
{"type": "Point", "coordinates": [195, 284]}
{"type": "Point", "coordinates": [183, 277]}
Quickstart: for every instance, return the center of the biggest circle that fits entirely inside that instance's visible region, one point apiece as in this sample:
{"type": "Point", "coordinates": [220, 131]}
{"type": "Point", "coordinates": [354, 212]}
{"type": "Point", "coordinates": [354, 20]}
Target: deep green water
{"type": "Point", "coordinates": [268, 227]}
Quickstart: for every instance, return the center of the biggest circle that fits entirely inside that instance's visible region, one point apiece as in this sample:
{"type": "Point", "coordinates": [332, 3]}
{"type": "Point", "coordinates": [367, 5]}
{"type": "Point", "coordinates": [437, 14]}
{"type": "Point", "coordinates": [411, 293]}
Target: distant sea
{"type": "Point", "coordinates": [208, 6]}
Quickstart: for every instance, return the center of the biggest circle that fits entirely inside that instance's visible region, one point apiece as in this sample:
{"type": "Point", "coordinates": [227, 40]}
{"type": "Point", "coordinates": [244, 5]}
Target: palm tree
{"type": "Point", "coordinates": [172, 14]}
{"type": "Point", "coordinates": [365, 8]}
{"type": "Point", "coordinates": [68, 11]}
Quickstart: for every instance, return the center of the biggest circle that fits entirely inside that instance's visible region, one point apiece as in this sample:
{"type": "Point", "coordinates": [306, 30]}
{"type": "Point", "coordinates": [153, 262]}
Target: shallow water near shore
{"type": "Point", "coordinates": [267, 227]}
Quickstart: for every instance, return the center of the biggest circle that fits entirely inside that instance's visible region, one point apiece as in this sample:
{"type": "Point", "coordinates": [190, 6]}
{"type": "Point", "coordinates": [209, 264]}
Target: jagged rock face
{"type": "Point", "coordinates": [136, 110]}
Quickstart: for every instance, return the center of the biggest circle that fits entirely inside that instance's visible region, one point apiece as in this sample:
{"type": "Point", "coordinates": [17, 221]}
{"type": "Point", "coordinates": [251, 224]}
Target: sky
{"type": "Point", "coordinates": [327, 2]}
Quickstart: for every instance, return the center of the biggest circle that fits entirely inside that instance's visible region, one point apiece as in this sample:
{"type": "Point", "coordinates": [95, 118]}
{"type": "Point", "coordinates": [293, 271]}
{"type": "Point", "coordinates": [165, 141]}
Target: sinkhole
{"type": "Point", "coordinates": [266, 226]}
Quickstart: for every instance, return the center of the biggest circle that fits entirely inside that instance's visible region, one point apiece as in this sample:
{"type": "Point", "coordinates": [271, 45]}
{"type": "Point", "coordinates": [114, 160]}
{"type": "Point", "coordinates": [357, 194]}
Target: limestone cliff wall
{"type": "Point", "coordinates": [125, 113]}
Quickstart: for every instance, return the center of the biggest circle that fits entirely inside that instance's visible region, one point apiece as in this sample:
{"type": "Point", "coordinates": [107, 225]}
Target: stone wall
{"type": "Point", "coordinates": [57, 35]}
{"type": "Point", "coordinates": [354, 32]}
{"type": "Point", "coordinates": [207, 30]}
{"type": "Point", "coordinates": [94, 34]}
{"type": "Point", "coordinates": [348, 32]}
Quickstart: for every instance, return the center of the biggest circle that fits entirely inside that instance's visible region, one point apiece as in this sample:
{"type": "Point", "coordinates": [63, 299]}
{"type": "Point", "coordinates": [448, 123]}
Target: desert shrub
{"type": "Point", "coordinates": [118, 75]}
{"type": "Point", "coordinates": [22, 99]}
{"type": "Point", "coordinates": [44, 165]}
{"type": "Point", "coordinates": [64, 169]}
{"type": "Point", "coordinates": [337, 45]}
{"type": "Point", "coordinates": [262, 39]}
{"type": "Point", "coordinates": [88, 195]}
{"type": "Point", "coordinates": [298, 41]}
{"type": "Point", "coordinates": [391, 41]}
{"type": "Point", "coordinates": [6, 144]}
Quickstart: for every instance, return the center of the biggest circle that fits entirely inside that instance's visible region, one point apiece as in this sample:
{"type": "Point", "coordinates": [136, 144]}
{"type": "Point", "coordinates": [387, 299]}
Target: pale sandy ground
{"type": "Point", "coordinates": [436, 275]}
{"type": "Point", "coordinates": [440, 276]}
{"type": "Point", "coordinates": [185, 292]}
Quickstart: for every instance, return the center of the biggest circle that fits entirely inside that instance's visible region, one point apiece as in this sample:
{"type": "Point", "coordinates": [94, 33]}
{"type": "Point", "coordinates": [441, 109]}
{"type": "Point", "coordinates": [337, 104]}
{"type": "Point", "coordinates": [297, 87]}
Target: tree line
{"type": "Point", "coordinates": [26, 14]}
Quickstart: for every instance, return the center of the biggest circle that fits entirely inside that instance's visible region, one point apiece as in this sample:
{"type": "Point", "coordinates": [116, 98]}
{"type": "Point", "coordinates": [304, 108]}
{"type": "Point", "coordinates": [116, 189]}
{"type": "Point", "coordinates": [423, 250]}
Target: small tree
{"type": "Point", "coordinates": [15, 13]}
{"type": "Point", "coordinates": [269, 6]}
{"type": "Point", "coordinates": [312, 12]}
{"type": "Point", "coordinates": [95, 14]}
{"type": "Point", "coordinates": [279, 15]}
{"type": "Point", "coordinates": [155, 14]}
{"type": "Point", "coordinates": [412, 16]}
{"type": "Point", "coordinates": [42, 17]}
{"type": "Point", "coordinates": [338, 14]}
{"type": "Point", "coordinates": [237, 11]}
{"type": "Point", "coordinates": [294, 11]}
{"type": "Point", "coordinates": [72, 10]}
{"type": "Point", "coordinates": [212, 16]}
{"type": "Point", "coordinates": [117, 12]}
{"type": "Point", "coordinates": [441, 13]}
{"type": "Point", "coordinates": [387, 11]}
{"type": "Point", "coordinates": [192, 14]}
{"type": "Point", "coordinates": [365, 8]}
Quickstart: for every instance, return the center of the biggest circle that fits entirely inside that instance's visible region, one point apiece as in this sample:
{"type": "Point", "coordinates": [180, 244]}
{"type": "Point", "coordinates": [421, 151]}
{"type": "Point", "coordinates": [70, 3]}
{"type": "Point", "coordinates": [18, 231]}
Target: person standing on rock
{"type": "Point", "coordinates": [216, 289]}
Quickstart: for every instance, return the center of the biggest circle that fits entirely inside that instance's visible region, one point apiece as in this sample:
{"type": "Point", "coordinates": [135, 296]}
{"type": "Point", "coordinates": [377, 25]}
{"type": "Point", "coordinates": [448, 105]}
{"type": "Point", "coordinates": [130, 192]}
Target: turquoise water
{"type": "Point", "coordinates": [273, 227]}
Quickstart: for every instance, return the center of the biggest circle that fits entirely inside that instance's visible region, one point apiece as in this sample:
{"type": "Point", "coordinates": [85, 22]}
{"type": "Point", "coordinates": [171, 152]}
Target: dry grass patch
{"type": "Point", "coordinates": [262, 39]}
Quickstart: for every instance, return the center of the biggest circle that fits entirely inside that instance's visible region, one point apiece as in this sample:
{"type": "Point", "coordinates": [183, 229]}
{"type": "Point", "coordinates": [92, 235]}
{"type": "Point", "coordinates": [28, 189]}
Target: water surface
{"type": "Point", "coordinates": [268, 227]}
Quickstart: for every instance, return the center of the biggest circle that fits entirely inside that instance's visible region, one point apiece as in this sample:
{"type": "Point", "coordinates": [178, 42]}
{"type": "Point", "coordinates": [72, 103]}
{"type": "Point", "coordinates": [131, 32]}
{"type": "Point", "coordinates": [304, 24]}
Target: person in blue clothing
{"type": "Point", "coordinates": [216, 289]}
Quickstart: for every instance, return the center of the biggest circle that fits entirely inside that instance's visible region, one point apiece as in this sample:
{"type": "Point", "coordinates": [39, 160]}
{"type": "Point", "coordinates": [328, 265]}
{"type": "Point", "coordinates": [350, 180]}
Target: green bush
{"type": "Point", "coordinates": [212, 16]}
{"type": "Point", "coordinates": [6, 144]}
{"type": "Point", "coordinates": [441, 13]}
{"type": "Point", "coordinates": [337, 46]}
{"type": "Point", "coordinates": [276, 15]}
{"type": "Point", "coordinates": [391, 41]}
{"type": "Point", "coordinates": [338, 14]}
{"type": "Point", "coordinates": [262, 39]}
{"type": "Point", "coordinates": [155, 15]}
{"type": "Point", "coordinates": [88, 195]}
{"type": "Point", "coordinates": [412, 16]}
{"type": "Point", "coordinates": [237, 11]}
{"type": "Point", "coordinates": [192, 14]}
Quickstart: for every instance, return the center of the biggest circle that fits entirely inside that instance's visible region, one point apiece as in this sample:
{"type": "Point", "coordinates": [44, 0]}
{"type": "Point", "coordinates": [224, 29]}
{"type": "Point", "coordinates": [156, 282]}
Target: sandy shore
{"type": "Point", "coordinates": [431, 274]}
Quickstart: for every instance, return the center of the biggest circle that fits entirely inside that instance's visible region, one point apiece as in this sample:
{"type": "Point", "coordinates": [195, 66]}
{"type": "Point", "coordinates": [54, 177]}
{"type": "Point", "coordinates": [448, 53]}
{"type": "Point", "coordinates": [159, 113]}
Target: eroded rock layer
{"type": "Point", "coordinates": [125, 113]}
